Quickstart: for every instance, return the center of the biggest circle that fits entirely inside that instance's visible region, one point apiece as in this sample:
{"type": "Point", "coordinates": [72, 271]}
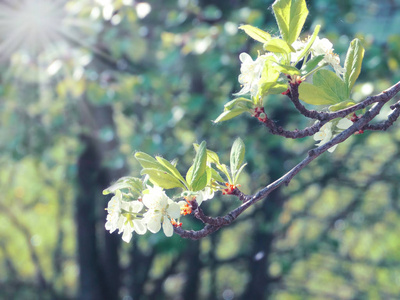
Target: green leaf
{"type": "Point", "coordinates": [216, 176]}
{"type": "Point", "coordinates": [309, 44]}
{"type": "Point", "coordinates": [237, 155]}
{"type": "Point", "coordinates": [289, 70]}
{"type": "Point", "coordinates": [133, 184]}
{"type": "Point", "coordinates": [290, 16]}
{"type": "Point", "coordinates": [341, 105]}
{"type": "Point", "coordinates": [269, 76]}
{"type": "Point", "coordinates": [278, 46]}
{"type": "Point", "coordinates": [312, 94]}
{"type": "Point", "coordinates": [230, 114]}
{"type": "Point", "coordinates": [224, 169]}
{"type": "Point", "coordinates": [278, 88]}
{"type": "Point", "coordinates": [257, 34]}
{"type": "Point", "coordinates": [163, 179]}
{"type": "Point", "coordinates": [311, 64]}
{"type": "Point", "coordinates": [149, 162]}
{"type": "Point", "coordinates": [238, 173]}
{"type": "Point", "coordinates": [327, 88]}
{"type": "Point", "coordinates": [212, 157]}
{"type": "Point", "coordinates": [196, 171]}
{"type": "Point", "coordinates": [239, 103]}
{"type": "Point", "coordinates": [200, 183]}
{"type": "Point", "coordinates": [331, 83]}
{"type": "Point", "coordinates": [352, 64]}
{"type": "Point", "coordinates": [171, 168]}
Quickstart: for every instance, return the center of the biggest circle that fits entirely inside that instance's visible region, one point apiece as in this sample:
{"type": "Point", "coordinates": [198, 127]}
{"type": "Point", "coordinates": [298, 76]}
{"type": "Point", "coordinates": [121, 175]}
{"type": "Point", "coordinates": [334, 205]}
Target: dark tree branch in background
{"type": "Point", "coordinates": [213, 224]}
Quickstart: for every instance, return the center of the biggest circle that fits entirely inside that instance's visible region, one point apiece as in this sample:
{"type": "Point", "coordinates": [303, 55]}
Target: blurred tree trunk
{"type": "Point", "coordinates": [192, 273]}
{"type": "Point", "coordinates": [259, 286]}
{"type": "Point", "coordinates": [98, 254]}
{"type": "Point", "coordinates": [89, 270]}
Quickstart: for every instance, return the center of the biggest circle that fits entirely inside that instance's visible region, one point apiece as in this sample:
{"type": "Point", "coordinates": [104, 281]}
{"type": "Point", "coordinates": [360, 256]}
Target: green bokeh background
{"type": "Point", "coordinates": [110, 82]}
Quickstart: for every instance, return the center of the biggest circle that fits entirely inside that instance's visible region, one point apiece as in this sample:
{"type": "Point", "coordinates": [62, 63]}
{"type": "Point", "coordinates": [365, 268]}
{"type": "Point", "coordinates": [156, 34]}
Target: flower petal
{"type": "Point", "coordinates": [344, 123]}
{"type": "Point", "coordinates": [154, 225]}
{"type": "Point", "coordinates": [127, 235]}
{"type": "Point", "coordinates": [174, 210]}
{"type": "Point", "coordinates": [167, 227]}
{"type": "Point", "coordinates": [139, 226]}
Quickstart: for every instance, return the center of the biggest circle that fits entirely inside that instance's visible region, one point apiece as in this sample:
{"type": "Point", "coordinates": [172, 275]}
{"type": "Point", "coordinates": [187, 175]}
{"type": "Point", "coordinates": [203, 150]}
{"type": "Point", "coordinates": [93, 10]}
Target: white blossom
{"type": "Point", "coordinates": [344, 123]}
{"type": "Point", "coordinates": [123, 215]}
{"type": "Point", "coordinates": [204, 195]}
{"type": "Point", "coordinates": [160, 210]}
{"type": "Point", "coordinates": [325, 47]}
{"type": "Point", "coordinates": [250, 74]}
{"type": "Point", "coordinates": [325, 134]}
{"type": "Point", "coordinates": [114, 212]}
{"type": "Point", "coordinates": [319, 47]}
{"type": "Point", "coordinates": [299, 47]}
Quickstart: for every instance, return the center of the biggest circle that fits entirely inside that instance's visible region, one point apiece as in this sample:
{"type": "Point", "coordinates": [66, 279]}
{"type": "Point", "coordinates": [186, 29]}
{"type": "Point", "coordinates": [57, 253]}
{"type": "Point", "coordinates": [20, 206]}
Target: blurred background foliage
{"type": "Point", "coordinates": [86, 83]}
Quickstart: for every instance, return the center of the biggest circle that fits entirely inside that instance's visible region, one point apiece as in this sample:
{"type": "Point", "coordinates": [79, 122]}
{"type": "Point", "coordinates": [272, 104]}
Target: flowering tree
{"type": "Point", "coordinates": [305, 71]}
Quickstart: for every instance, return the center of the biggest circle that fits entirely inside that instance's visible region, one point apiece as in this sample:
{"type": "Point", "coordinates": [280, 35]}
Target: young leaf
{"type": "Point", "coordinates": [314, 95]}
{"type": "Point", "coordinates": [277, 88]}
{"type": "Point", "coordinates": [268, 78]}
{"type": "Point", "coordinates": [198, 168]}
{"type": "Point", "coordinates": [224, 169]}
{"type": "Point", "coordinates": [212, 157]}
{"type": "Point", "coordinates": [290, 16]}
{"type": "Point", "coordinates": [149, 162]}
{"type": "Point", "coordinates": [237, 156]}
{"type": "Point", "coordinates": [239, 103]}
{"type": "Point", "coordinates": [311, 64]}
{"type": "Point", "coordinates": [163, 179]}
{"type": "Point", "coordinates": [278, 46]}
{"type": "Point", "coordinates": [238, 173]}
{"type": "Point", "coordinates": [200, 183]}
{"type": "Point", "coordinates": [352, 64]}
{"type": "Point", "coordinates": [309, 44]}
{"type": "Point", "coordinates": [289, 70]}
{"type": "Point", "coordinates": [331, 83]}
{"type": "Point", "coordinates": [257, 34]}
{"type": "Point", "coordinates": [230, 114]}
{"type": "Point", "coordinates": [133, 184]}
{"type": "Point", "coordinates": [171, 168]}
{"type": "Point", "coordinates": [341, 105]}
{"type": "Point", "coordinates": [216, 176]}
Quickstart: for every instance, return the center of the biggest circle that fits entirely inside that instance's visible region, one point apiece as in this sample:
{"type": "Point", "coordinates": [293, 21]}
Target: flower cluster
{"type": "Point", "coordinates": [319, 47]}
{"type": "Point", "coordinates": [250, 74]}
{"type": "Point", "coordinates": [251, 70]}
{"type": "Point", "coordinates": [153, 211]}
{"type": "Point", "coordinates": [125, 216]}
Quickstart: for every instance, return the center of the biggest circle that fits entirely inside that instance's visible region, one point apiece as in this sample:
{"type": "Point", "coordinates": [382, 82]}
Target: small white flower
{"type": "Point", "coordinates": [298, 46]}
{"type": "Point", "coordinates": [204, 195]}
{"type": "Point", "coordinates": [250, 74]}
{"type": "Point", "coordinates": [325, 47]}
{"type": "Point", "coordinates": [325, 134]}
{"type": "Point", "coordinates": [161, 210]}
{"type": "Point", "coordinates": [122, 215]}
{"type": "Point", "coordinates": [114, 212]}
{"type": "Point", "coordinates": [319, 47]}
{"type": "Point", "coordinates": [344, 123]}
{"type": "Point", "coordinates": [131, 222]}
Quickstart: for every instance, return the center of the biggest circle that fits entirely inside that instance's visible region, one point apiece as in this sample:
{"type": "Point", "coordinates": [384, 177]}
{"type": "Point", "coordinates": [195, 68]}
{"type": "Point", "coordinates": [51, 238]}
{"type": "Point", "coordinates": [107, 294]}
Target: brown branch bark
{"type": "Point", "coordinates": [324, 117]}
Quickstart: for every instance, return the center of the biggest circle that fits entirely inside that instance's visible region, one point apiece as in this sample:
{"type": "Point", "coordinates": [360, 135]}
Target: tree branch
{"type": "Point", "coordinates": [324, 117]}
{"type": "Point", "coordinates": [213, 224]}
